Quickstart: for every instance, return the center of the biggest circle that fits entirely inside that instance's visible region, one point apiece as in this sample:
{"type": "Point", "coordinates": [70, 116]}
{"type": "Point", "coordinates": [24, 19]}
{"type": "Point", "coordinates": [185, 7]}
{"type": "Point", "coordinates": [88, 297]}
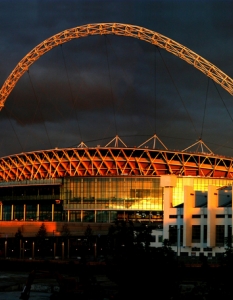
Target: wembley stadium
{"type": "Point", "coordinates": [97, 186]}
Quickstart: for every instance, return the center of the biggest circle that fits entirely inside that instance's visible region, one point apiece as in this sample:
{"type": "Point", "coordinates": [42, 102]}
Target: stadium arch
{"type": "Point", "coordinates": [128, 30]}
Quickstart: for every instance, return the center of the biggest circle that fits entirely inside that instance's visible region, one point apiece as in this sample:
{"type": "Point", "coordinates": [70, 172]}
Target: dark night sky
{"type": "Point", "coordinates": [115, 85]}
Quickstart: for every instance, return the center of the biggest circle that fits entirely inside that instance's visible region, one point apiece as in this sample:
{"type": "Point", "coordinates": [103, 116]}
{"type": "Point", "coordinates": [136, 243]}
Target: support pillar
{"type": "Point", "coordinates": [33, 250]}
{"type": "Point", "coordinates": [62, 250]}
{"type": "Point", "coordinates": [68, 248]}
{"type": "Point", "coordinates": [212, 204]}
{"type": "Point", "coordinates": [23, 251]}
{"type": "Point", "coordinates": [52, 212]}
{"type": "Point", "coordinates": [5, 249]}
{"type": "Point", "coordinates": [38, 212]}
{"type": "Point", "coordinates": [24, 212]}
{"type": "Point", "coordinates": [167, 182]}
{"type": "Point", "coordinates": [12, 212]}
{"type": "Point", "coordinates": [189, 198]}
{"type": "Point", "coordinates": [0, 211]}
{"type": "Point", "coordinates": [54, 249]}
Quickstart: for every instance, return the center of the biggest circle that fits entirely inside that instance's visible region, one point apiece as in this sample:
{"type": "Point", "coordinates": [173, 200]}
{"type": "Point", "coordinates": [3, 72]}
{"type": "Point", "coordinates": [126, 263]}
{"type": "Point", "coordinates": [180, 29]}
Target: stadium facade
{"type": "Point", "coordinates": [186, 194]}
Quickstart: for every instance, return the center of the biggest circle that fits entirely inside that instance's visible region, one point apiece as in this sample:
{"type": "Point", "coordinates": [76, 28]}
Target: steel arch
{"type": "Point", "coordinates": [134, 31]}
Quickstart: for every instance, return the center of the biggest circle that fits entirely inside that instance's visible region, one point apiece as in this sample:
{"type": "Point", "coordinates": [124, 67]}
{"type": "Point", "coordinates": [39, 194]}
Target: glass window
{"type": "Point", "coordinates": [220, 216]}
{"type": "Point", "coordinates": [75, 216]}
{"type": "Point", "coordinates": [160, 238]}
{"type": "Point", "coordinates": [6, 215]}
{"type": "Point", "coordinates": [173, 234]}
{"type": "Point", "coordinates": [196, 233]}
{"type": "Point", "coordinates": [31, 212]}
{"type": "Point", "coordinates": [198, 183]}
{"type": "Point", "coordinates": [58, 212]}
{"type": "Point", "coordinates": [18, 212]}
{"type": "Point", "coordinates": [219, 235]}
{"type": "Point", "coordinates": [128, 193]}
{"type": "Point", "coordinates": [113, 216]}
{"type": "Point", "coordinates": [102, 216]}
{"type": "Point", "coordinates": [45, 212]}
{"type": "Point", "coordinates": [88, 216]}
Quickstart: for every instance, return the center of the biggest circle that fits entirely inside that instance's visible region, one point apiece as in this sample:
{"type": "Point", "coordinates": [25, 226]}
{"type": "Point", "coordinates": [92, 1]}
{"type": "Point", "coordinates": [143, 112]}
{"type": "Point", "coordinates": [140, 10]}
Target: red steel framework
{"type": "Point", "coordinates": [112, 161]}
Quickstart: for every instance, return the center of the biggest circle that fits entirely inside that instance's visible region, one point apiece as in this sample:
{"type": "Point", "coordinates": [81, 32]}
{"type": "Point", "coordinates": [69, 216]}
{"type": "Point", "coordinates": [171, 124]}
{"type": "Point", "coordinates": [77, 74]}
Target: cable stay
{"type": "Point", "coordinates": [116, 141]}
{"type": "Point", "coordinates": [82, 145]}
{"type": "Point", "coordinates": [200, 147]}
{"type": "Point", "coordinates": [111, 89]}
{"type": "Point", "coordinates": [71, 92]}
{"type": "Point", "coordinates": [155, 139]}
{"type": "Point", "coordinates": [204, 114]}
{"type": "Point", "coordinates": [38, 108]}
{"type": "Point", "coordinates": [178, 92]}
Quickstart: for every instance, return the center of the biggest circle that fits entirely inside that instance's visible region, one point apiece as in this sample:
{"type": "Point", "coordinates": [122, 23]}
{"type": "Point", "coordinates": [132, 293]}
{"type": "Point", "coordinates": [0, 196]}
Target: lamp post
{"type": "Point", "coordinates": [178, 241]}
{"type": "Point", "coordinates": [5, 248]}
{"type": "Point", "coordinates": [54, 245]}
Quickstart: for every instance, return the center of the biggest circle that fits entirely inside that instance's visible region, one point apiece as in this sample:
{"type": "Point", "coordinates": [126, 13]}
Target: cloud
{"type": "Point", "coordinates": [89, 87]}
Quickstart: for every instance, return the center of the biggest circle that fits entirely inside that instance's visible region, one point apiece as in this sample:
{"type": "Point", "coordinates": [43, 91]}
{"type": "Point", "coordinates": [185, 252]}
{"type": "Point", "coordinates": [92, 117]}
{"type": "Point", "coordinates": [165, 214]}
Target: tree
{"type": "Point", "coordinates": [18, 234]}
{"type": "Point", "coordinates": [228, 254]}
{"type": "Point", "coordinates": [89, 236]}
{"type": "Point", "coordinates": [166, 249]}
{"type": "Point", "coordinates": [18, 239]}
{"type": "Point", "coordinates": [40, 236]}
{"type": "Point", "coordinates": [65, 231]}
{"type": "Point", "coordinates": [42, 232]}
{"type": "Point", "coordinates": [135, 261]}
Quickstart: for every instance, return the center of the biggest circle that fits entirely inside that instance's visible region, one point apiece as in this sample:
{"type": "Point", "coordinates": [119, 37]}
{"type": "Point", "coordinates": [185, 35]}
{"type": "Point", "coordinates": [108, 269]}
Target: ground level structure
{"type": "Point", "coordinates": [186, 196]}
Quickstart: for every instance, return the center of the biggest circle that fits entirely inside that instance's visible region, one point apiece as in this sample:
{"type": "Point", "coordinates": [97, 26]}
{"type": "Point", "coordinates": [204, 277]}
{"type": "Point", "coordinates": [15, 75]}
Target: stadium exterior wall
{"type": "Point", "coordinates": [97, 186]}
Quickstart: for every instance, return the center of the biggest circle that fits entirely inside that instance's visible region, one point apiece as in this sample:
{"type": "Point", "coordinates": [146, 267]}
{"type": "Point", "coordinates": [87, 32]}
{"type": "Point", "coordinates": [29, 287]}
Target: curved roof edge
{"type": "Point", "coordinates": [112, 161]}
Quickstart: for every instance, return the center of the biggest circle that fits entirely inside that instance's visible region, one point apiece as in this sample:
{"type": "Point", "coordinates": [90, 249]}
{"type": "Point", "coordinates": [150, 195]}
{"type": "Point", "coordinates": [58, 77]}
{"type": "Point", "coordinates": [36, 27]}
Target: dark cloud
{"type": "Point", "coordinates": [93, 88]}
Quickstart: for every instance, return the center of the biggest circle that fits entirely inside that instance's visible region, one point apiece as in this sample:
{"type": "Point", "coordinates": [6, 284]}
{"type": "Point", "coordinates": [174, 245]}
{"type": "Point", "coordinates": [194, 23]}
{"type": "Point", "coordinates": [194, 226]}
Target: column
{"type": "Point", "coordinates": [202, 223]}
{"type": "Point", "coordinates": [20, 248]}
{"type": "Point", "coordinates": [6, 249]}
{"type": "Point", "coordinates": [38, 212]}
{"type": "Point", "coordinates": [68, 248]}
{"type": "Point", "coordinates": [178, 230]}
{"type": "Point", "coordinates": [33, 250]}
{"type": "Point", "coordinates": [0, 211]}
{"type": "Point", "coordinates": [211, 213]}
{"type": "Point", "coordinates": [167, 182]}
{"type": "Point", "coordinates": [54, 248]}
{"type": "Point", "coordinates": [62, 250]}
{"type": "Point", "coordinates": [52, 212]}
{"type": "Point", "coordinates": [225, 222]}
{"type": "Point", "coordinates": [12, 212]}
{"type": "Point", "coordinates": [24, 212]}
{"type": "Point", "coordinates": [189, 199]}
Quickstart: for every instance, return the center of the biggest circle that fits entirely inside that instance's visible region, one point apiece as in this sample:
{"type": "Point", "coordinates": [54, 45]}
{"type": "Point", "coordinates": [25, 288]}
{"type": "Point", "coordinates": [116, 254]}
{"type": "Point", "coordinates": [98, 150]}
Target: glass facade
{"type": "Point", "coordinates": [198, 183]}
{"type": "Point", "coordinates": [105, 199]}
{"type": "Point", "coordinates": [30, 203]}
{"type": "Point", "coordinates": [96, 199]}
{"type": "Point", "coordinates": [112, 193]}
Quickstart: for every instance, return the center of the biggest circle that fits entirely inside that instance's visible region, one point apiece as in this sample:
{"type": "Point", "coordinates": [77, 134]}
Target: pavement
{"type": "Point", "coordinates": [12, 283]}
{"type": "Point", "coordinates": [16, 294]}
